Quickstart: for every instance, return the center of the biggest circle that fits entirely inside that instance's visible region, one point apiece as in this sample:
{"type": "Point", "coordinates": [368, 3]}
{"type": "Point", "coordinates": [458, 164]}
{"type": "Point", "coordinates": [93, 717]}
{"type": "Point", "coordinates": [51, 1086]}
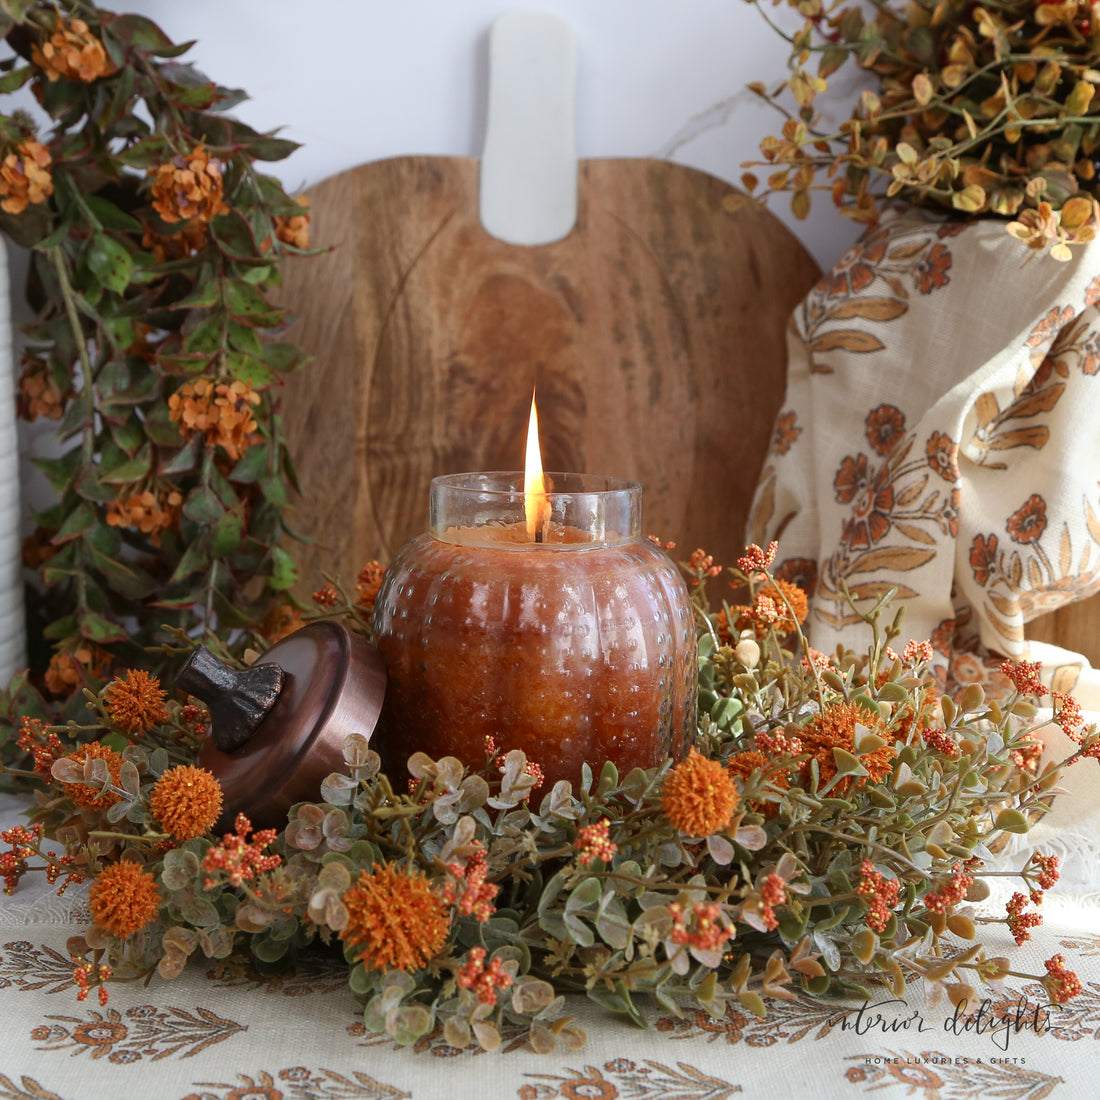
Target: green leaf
{"type": "Point", "coordinates": [245, 339]}
{"type": "Point", "coordinates": [117, 113]}
{"type": "Point", "coordinates": [107, 540]}
{"type": "Point", "coordinates": [207, 293]}
{"type": "Point", "coordinates": [199, 98]}
{"type": "Point", "coordinates": [113, 378]}
{"type": "Point", "coordinates": [207, 336]}
{"type": "Point", "coordinates": [234, 234]}
{"type": "Point", "coordinates": [247, 368]}
{"type": "Point", "coordinates": [77, 522]}
{"type": "Point", "coordinates": [161, 428]}
{"type": "Point", "coordinates": [230, 615]}
{"type": "Point", "coordinates": [181, 604]}
{"type": "Point", "coordinates": [147, 153]}
{"type": "Point", "coordinates": [252, 465]}
{"type": "Point", "coordinates": [226, 493]}
{"type": "Point", "coordinates": [185, 364]}
{"type": "Point", "coordinates": [618, 1002]}
{"type": "Point", "coordinates": [129, 583]}
{"type": "Point", "coordinates": [61, 628]}
{"type": "Point", "coordinates": [129, 435]}
{"type": "Point", "coordinates": [136, 30]}
{"type": "Point", "coordinates": [59, 471]}
{"type": "Point", "coordinates": [283, 358]}
{"type": "Point", "coordinates": [126, 471]}
{"type": "Point", "coordinates": [274, 491]}
{"type": "Point", "coordinates": [245, 301]}
{"type": "Point", "coordinates": [578, 932]}
{"type": "Point", "coordinates": [284, 573]}
{"type": "Point", "coordinates": [14, 80]}
{"type": "Point", "coordinates": [110, 263]}
{"type": "Point", "coordinates": [203, 506]}
{"type": "Point", "coordinates": [1011, 821]}
{"type": "Point", "coordinates": [270, 148]}
{"type": "Point", "coordinates": [609, 779]}
{"type": "Point", "coordinates": [98, 629]}
{"type": "Point", "coordinates": [90, 488]}
{"type": "Point", "coordinates": [111, 216]}
{"type": "Point", "coordinates": [142, 386]}
{"type": "Point", "coordinates": [585, 895]}
{"type": "Point", "coordinates": [612, 923]}
{"type": "Point", "coordinates": [359, 980]}
{"type": "Point", "coordinates": [227, 534]}
{"type": "Point", "coordinates": [195, 559]}
{"type": "Point", "coordinates": [185, 460]}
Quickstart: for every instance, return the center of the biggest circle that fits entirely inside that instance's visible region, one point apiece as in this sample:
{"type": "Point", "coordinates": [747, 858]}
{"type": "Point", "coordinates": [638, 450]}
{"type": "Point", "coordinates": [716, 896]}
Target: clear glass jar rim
{"type": "Point", "coordinates": [506, 484]}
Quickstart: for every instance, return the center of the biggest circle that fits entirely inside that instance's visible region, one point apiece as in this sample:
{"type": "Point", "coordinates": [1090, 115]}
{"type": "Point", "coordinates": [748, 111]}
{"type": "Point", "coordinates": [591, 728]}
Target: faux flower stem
{"type": "Point", "coordinates": [88, 437]}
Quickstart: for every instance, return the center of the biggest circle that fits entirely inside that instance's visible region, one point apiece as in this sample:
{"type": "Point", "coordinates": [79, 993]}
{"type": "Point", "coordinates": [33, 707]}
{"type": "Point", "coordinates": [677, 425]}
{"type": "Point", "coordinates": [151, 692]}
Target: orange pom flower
{"type": "Point", "coordinates": [67, 670]}
{"type": "Point", "coordinates": [72, 52]}
{"type": "Point", "coordinates": [136, 703]}
{"type": "Point", "coordinates": [186, 241]}
{"type": "Point", "coordinates": [396, 918]}
{"type": "Point", "coordinates": [835, 727]}
{"type": "Point", "coordinates": [281, 620]}
{"type": "Point", "coordinates": [773, 607]}
{"type": "Point", "coordinates": [744, 764]}
{"type": "Point", "coordinates": [221, 412]}
{"type": "Point", "coordinates": [699, 796]}
{"type": "Point", "coordinates": [189, 187]}
{"type": "Point", "coordinates": [90, 797]}
{"type": "Point", "coordinates": [25, 177]}
{"type": "Point", "coordinates": [123, 899]}
{"type": "Point", "coordinates": [186, 801]}
{"type": "Point", "coordinates": [367, 584]}
{"type": "Point", "coordinates": [38, 393]}
{"type": "Point", "coordinates": [149, 512]}
{"type": "Point", "coordinates": [295, 229]}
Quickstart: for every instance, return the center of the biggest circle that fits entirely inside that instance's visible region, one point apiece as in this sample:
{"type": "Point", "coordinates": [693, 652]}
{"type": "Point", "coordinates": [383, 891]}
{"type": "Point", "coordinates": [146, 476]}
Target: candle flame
{"type": "Point", "coordinates": [535, 505]}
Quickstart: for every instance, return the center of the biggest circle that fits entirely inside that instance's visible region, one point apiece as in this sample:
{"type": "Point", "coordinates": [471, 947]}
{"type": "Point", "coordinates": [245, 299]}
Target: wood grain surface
{"type": "Point", "coordinates": [1075, 627]}
{"type": "Point", "coordinates": [654, 333]}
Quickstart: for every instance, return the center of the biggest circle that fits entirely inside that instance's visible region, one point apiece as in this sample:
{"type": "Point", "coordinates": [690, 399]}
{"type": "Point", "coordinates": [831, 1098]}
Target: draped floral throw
{"type": "Point", "coordinates": [941, 436]}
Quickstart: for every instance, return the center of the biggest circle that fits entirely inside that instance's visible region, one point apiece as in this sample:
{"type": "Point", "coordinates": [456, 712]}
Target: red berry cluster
{"type": "Point", "coordinates": [880, 895]}
{"type": "Point", "coordinates": [483, 980]}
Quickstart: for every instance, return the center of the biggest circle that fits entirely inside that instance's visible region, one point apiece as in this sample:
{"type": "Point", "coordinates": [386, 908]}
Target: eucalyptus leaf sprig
{"type": "Point", "coordinates": [976, 109]}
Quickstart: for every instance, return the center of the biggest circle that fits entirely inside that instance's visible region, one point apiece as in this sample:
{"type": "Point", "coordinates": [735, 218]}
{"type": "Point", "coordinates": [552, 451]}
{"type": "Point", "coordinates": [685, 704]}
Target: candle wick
{"type": "Point", "coordinates": [538, 534]}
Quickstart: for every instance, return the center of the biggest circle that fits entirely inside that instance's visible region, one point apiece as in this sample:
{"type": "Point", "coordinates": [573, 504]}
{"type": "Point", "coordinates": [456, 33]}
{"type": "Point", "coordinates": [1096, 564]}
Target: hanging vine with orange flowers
{"type": "Point", "coordinates": [155, 243]}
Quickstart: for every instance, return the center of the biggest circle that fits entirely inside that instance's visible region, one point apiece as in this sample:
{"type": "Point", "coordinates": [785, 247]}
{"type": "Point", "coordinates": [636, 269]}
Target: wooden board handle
{"type": "Point", "coordinates": [528, 179]}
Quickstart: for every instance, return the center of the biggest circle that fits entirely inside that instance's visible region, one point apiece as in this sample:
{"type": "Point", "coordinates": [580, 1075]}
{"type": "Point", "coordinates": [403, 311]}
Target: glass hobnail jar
{"type": "Point", "coordinates": [578, 647]}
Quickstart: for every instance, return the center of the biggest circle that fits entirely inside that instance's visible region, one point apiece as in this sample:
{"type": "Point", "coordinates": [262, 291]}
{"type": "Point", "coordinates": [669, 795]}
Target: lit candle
{"type": "Point", "coordinates": [535, 613]}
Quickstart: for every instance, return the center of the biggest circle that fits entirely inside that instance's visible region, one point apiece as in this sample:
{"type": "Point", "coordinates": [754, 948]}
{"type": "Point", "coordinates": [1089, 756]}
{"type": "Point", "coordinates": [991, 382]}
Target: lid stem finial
{"type": "Point", "coordinates": [238, 698]}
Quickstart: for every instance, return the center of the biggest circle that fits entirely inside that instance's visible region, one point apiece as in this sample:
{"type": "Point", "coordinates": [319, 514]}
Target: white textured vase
{"type": "Point", "coordinates": [13, 638]}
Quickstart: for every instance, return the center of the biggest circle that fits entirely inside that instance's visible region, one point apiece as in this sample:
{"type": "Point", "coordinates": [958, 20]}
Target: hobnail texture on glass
{"type": "Point", "coordinates": [579, 648]}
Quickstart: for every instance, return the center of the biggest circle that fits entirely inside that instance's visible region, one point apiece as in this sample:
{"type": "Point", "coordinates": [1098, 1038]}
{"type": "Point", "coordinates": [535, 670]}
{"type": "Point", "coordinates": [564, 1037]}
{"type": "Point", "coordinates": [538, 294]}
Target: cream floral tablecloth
{"type": "Point", "coordinates": [234, 1034]}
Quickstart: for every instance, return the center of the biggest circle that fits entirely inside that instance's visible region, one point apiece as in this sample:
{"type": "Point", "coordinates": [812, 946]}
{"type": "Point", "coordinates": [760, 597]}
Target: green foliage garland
{"type": "Point", "coordinates": [155, 243]}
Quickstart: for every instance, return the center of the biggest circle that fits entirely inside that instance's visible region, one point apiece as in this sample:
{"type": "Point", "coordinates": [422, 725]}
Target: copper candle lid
{"type": "Point", "coordinates": [277, 729]}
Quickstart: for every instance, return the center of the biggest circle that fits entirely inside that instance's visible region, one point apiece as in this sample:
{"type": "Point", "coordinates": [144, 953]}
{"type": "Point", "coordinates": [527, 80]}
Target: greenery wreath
{"type": "Point", "coordinates": [829, 830]}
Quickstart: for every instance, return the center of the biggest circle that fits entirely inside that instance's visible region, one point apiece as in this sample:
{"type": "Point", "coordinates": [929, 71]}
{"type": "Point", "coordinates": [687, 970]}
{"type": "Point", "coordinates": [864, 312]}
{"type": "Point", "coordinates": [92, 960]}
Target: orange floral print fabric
{"type": "Point", "coordinates": [939, 438]}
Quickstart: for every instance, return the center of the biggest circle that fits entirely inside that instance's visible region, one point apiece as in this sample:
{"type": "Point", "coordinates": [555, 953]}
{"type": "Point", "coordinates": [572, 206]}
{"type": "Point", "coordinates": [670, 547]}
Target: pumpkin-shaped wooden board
{"type": "Point", "coordinates": [654, 333]}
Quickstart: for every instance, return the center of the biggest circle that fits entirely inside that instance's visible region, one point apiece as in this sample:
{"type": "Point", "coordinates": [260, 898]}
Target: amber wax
{"type": "Point", "coordinates": [571, 639]}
